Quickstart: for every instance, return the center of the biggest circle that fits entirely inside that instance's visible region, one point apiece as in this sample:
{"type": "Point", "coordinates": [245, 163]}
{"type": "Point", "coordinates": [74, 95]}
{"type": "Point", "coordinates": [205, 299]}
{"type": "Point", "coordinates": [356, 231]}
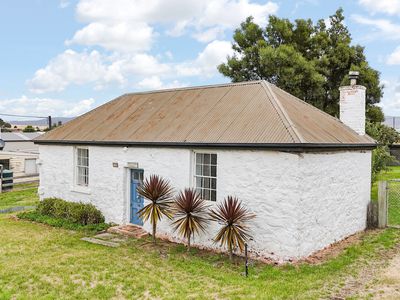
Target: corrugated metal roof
{"type": "Point", "coordinates": [247, 113]}
{"type": "Point", "coordinates": [19, 136]}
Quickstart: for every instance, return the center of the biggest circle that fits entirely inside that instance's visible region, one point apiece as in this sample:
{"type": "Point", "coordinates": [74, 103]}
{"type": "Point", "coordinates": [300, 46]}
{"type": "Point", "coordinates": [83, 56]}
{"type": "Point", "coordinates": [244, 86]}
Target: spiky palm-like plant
{"type": "Point", "coordinates": [233, 217]}
{"type": "Point", "coordinates": [160, 194]}
{"type": "Point", "coordinates": [190, 213]}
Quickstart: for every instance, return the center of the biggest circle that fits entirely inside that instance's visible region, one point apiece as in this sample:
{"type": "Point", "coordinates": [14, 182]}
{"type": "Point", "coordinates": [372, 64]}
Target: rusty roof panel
{"type": "Point", "coordinates": [243, 113]}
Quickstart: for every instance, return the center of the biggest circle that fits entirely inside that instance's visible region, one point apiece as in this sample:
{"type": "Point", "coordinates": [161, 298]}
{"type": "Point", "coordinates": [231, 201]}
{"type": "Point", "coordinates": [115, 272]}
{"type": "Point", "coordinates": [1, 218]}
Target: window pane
{"type": "Point", "coordinates": [198, 170]}
{"type": "Point", "coordinates": [207, 194]}
{"type": "Point", "coordinates": [199, 158]}
{"type": "Point", "coordinates": [207, 160]}
{"type": "Point", "coordinates": [214, 171]}
{"type": "Point", "coordinates": [206, 183]}
{"type": "Point", "coordinates": [213, 196]}
{"type": "Point", "coordinates": [214, 159]}
{"type": "Point", "coordinates": [213, 183]}
{"type": "Point", "coordinates": [206, 170]}
{"type": "Point", "coordinates": [198, 182]}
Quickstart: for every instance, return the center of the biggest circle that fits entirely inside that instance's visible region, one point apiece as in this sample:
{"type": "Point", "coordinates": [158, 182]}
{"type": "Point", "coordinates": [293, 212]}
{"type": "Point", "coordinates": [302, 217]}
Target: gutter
{"type": "Point", "coordinates": [296, 147]}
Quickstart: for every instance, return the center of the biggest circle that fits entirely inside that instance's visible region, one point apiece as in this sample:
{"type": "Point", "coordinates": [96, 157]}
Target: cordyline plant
{"type": "Point", "coordinates": [233, 217]}
{"type": "Point", "coordinates": [160, 194]}
{"type": "Point", "coordinates": [190, 213]}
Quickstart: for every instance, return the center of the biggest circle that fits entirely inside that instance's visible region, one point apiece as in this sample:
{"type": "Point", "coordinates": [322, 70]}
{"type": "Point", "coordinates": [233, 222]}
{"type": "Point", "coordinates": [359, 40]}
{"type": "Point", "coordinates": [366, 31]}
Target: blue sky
{"type": "Point", "coordinates": [65, 57]}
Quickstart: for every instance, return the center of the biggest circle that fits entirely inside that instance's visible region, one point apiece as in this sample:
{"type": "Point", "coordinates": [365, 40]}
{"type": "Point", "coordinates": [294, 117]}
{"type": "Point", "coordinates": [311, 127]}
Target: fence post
{"type": "Point", "coordinates": [382, 204]}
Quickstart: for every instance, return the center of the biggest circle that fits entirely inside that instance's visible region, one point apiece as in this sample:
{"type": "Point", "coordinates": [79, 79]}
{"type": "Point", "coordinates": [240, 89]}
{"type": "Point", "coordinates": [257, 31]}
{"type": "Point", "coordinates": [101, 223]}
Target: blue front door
{"type": "Point", "coordinates": [137, 201]}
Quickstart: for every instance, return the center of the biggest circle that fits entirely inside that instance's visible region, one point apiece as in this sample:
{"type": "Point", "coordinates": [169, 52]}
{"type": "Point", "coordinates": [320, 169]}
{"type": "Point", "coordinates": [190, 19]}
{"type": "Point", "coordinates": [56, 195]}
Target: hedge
{"type": "Point", "coordinates": [75, 212]}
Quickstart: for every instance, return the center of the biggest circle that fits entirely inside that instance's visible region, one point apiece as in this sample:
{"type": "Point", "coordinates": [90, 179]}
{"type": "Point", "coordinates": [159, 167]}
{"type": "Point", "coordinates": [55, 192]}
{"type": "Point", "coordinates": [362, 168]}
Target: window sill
{"type": "Point", "coordinates": [81, 189]}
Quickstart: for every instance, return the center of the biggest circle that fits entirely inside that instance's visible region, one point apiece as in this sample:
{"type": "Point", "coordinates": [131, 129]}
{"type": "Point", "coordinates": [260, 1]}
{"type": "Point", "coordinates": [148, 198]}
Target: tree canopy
{"type": "Point", "coordinates": [310, 61]}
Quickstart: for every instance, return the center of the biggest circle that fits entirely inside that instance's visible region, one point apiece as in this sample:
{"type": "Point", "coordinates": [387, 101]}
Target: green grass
{"type": "Point", "coordinates": [393, 193]}
{"type": "Point", "coordinates": [26, 197]}
{"type": "Point", "coordinates": [43, 262]}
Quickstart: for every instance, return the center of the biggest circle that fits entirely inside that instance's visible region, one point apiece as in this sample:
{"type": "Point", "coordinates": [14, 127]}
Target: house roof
{"type": "Point", "coordinates": [19, 136]}
{"type": "Point", "coordinates": [247, 114]}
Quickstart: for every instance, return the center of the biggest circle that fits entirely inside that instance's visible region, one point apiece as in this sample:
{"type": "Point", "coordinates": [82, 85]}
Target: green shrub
{"type": "Point", "coordinates": [63, 223]}
{"type": "Point", "coordinates": [76, 212]}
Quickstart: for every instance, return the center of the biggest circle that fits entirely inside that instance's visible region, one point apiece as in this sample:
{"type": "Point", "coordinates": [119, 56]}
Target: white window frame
{"type": "Point", "coordinates": [205, 175]}
{"type": "Point", "coordinates": [78, 167]}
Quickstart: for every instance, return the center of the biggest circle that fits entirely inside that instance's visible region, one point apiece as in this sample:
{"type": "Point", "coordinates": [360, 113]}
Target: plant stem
{"type": "Point", "coordinates": [154, 232]}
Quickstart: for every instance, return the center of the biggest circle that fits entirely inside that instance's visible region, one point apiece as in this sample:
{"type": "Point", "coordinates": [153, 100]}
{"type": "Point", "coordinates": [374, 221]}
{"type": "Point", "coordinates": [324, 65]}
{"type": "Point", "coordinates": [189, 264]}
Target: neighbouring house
{"type": "Point", "coordinates": [21, 163]}
{"type": "Point", "coordinates": [305, 174]}
{"type": "Point", "coordinates": [20, 153]}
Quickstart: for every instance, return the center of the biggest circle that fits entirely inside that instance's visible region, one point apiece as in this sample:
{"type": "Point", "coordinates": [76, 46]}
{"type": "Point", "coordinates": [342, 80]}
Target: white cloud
{"type": "Point", "coordinates": [118, 36]}
{"type": "Point", "coordinates": [155, 83]}
{"type": "Point", "coordinates": [394, 57]}
{"type": "Point", "coordinates": [151, 83]}
{"type": "Point", "coordinates": [80, 68]}
{"type": "Point", "coordinates": [45, 106]}
{"type": "Point", "coordinates": [391, 7]}
{"type": "Point", "coordinates": [71, 67]}
{"type": "Point", "coordinates": [383, 28]}
{"type": "Point", "coordinates": [207, 61]}
{"type": "Point", "coordinates": [126, 25]}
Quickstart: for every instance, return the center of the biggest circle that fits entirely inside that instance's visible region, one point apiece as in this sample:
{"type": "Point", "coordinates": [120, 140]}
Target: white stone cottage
{"type": "Point", "coordinates": [304, 173]}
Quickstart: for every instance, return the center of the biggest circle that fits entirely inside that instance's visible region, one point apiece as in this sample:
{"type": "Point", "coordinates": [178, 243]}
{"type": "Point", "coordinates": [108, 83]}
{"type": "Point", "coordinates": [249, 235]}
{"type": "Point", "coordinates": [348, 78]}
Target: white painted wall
{"type": "Point", "coordinates": [303, 202]}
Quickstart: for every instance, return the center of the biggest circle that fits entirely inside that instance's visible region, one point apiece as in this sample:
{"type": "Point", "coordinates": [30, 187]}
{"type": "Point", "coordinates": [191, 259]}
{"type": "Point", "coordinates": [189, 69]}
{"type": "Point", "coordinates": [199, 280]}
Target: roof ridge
{"type": "Point", "coordinates": [207, 86]}
{"type": "Point", "coordinates": [319, 110]}
{"type": "Point", "coordinates": [308, 104]}
{"type": "Point", "coordinates": [287, 122]}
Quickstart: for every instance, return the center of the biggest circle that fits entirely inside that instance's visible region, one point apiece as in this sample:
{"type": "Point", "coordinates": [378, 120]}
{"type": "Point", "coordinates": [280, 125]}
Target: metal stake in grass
{"type": "Point", "coordinates": [246, 265]}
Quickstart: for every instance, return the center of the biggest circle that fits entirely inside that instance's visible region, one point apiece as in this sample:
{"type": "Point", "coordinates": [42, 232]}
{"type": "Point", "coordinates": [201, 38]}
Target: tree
{"type": "Point", "coordinates": [190, 213]}
{"type": "Point", "coordinates": [233, 217]}
{"type": "Point", "coordinates": [160, 193]}
{"type": "Point", "coordinates": [310, 61]}
{"type": "Point", "coordinates": [5, 127]}
{"type": "Point", "coordinates": [29, 128]}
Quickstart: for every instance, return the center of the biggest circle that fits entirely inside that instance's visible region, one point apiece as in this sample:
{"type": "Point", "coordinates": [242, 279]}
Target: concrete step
{"type": "Point", "coordinates": [129, 230]}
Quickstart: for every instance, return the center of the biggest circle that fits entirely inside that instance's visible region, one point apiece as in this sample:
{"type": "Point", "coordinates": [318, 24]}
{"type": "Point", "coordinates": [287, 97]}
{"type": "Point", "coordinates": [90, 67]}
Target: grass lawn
{"type": "Point", "coordinates": [26, 197]}
{"type": "Point", "coordinates": [42, 262]}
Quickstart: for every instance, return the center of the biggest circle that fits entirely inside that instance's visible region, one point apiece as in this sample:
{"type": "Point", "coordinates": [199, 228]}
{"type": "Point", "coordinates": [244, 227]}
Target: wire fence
{"type": "Point", "coordinates": [393, 203]}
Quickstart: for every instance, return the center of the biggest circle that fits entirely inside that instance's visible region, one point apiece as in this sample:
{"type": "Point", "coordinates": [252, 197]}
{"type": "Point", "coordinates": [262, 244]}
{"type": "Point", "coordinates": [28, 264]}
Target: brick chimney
{"type": "Point", "coordinates": [352, 104]}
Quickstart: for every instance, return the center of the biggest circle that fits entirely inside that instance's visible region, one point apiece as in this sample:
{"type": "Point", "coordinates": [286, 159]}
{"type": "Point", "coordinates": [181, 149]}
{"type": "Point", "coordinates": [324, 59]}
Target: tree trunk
{"type": "Point", "coordinates": [230, 252]}
{"type": "Point", "coordinates": [154, 232]}
{"type": "Point", "coordinates": [188, 248]}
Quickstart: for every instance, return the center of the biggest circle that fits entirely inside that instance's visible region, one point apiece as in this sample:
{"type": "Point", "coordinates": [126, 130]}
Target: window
{"type": "Point", "coordinates": [206, 175]}
{"type": "Point", "coordinates": [82, 166]}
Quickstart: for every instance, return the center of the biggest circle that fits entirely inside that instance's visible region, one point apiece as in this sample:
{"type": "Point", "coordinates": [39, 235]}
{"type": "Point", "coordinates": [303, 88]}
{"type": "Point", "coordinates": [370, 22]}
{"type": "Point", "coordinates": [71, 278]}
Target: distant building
{"type": "Point", "coordinates": [20, 153]}
{"type": "Point", "coordinates": [20, 141]}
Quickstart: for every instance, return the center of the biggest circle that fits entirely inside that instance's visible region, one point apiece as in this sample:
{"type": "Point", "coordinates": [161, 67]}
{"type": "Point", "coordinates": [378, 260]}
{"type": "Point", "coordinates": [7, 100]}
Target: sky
{"type": "Point", "coordinates": [66, 57]}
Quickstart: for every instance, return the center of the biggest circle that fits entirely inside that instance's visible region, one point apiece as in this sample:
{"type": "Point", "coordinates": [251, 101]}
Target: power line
{"type": "Point", "coordinates": [10, 115]}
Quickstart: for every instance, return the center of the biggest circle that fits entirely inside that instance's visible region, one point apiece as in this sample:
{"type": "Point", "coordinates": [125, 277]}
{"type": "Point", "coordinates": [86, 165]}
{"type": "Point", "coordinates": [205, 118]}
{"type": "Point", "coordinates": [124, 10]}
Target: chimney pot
{"type": "Point", "coordinates": [353, 75]}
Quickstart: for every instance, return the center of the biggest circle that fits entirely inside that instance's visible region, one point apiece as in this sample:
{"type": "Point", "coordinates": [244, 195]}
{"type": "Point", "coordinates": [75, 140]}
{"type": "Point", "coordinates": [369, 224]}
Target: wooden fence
{"type": "Point", "coordinates": [20, 182]}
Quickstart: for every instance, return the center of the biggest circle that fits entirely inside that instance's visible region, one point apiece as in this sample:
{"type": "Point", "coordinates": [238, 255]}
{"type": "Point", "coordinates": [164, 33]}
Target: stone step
{"type": "Point", "coordinates": [129, 230]}
{"type": "Point", "coordinates": [100, 242]}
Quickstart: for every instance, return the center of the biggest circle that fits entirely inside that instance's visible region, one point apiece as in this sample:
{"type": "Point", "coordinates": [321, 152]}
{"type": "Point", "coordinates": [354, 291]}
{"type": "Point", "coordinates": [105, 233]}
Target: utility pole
{"type": "Point", "coordinates": [49, 117]}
